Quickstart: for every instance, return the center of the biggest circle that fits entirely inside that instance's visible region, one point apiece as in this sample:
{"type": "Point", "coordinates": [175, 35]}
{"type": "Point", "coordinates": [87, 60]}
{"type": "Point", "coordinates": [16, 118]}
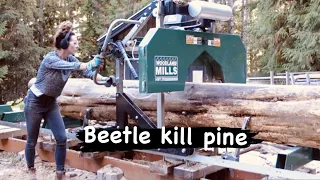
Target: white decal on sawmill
{"type": "Point", "coordinates": [166, 68]}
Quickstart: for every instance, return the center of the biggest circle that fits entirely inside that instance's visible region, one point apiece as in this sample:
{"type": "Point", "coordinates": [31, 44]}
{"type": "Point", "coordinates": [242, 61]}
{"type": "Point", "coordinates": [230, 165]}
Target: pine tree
{"type": "Point", "coordinates": [303, 51]}
{"type": "Point", "coordinates": [19, 52]}
{"type": "Point", "coordinates": [3, 54]}
{"type": "Point", "coordinates": [54, 12]}
{"type": "Point", "coordinates": [286, 35]}
{"type": "Point", "coordinates": [234, 25]}
{"type": "Point", "coordinates": [92, 25]}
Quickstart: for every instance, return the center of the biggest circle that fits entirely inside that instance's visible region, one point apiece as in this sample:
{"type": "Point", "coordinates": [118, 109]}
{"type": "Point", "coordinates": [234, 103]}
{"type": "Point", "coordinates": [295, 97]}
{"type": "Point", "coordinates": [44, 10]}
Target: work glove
{"type": "Point", "coordinates": [95, 62]}
{"type": "Point", "coordinates": [114, 81]}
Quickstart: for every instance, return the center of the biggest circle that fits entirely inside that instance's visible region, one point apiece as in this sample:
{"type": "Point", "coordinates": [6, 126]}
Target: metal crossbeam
{"type": "Point", "coordinates": [217, 161]}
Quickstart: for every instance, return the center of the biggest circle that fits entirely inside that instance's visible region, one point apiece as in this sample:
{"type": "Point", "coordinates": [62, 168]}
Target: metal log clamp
{"type": "Point", "coordinates": [236, 154]}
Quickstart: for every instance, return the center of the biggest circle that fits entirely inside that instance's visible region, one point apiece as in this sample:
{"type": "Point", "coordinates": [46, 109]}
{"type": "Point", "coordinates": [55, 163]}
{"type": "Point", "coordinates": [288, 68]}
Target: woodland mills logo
{"type": "Point", "coordinates": [166, 68]}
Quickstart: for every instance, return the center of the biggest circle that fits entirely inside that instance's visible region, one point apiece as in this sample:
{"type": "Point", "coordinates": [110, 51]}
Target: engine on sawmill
{"type": "Point", "coordinates": [194, 16]}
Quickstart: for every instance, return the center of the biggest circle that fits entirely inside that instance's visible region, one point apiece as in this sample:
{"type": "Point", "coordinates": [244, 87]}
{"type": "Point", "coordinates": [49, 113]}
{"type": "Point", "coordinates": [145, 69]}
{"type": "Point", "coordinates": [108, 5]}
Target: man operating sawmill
{"type": "Point", "coordinates": [41, 100]}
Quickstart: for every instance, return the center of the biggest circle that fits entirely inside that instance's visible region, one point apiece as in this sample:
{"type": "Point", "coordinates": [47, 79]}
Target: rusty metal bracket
{"type": "Point", "coordinates": [235, 156]}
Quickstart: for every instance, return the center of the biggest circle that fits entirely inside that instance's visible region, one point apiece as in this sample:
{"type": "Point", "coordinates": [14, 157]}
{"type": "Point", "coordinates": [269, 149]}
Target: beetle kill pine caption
{"type": "Point", "coordinates": [143, 137]}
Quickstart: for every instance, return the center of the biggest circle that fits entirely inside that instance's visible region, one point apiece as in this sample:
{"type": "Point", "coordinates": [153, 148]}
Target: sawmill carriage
{"type": "Point", "coordinates": [156, 51]}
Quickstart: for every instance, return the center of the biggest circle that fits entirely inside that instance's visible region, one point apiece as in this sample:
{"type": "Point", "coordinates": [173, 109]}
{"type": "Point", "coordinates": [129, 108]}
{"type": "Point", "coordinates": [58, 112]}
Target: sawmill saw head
{"type": "Point", "coordinates": [166, 54]}
{"type": "Point", "coordinates": [184, 36]}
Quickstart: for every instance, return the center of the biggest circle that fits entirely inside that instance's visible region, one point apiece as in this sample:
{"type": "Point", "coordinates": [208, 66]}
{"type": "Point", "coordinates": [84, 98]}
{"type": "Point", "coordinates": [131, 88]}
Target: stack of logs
{"type": "Point", "coordinates": [280, 114]}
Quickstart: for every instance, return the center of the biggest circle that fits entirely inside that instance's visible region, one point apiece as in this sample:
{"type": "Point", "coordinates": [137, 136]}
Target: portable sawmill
{"type": "Point", "coordinates": [184, 32]}
{"type": "Point", "coordinates": [181, 36]}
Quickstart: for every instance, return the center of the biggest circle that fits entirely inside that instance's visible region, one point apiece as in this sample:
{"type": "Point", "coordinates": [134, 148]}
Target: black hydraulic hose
{"type": "Point", "coordinates": [124, 55]}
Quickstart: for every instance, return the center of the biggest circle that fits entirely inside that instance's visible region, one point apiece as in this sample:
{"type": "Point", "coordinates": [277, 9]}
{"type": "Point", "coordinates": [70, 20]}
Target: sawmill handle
{"type": "Point", "coordinates": [112, 25]}
{"type": "Point", "coordinates": [95, 77]}
{"type": "Point", "coordinates": [105, 43]}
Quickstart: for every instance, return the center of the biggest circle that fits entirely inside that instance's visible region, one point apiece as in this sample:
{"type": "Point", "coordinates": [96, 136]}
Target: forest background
{"type": "Point", "coordinates": [279, 35]}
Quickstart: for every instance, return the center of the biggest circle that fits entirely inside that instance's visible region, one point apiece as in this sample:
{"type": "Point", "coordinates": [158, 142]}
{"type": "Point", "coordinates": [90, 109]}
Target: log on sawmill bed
{"type": "Point", "coordinates": [281, 114]}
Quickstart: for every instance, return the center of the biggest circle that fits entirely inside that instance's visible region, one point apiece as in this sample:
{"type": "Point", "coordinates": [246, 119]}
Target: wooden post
{"type": "Point", "coordinates": [287, 78]}
{"type": "Point", "coordinates": [271, 78]}
{"type": "Point", "coordinates": [292, 79]}
{"type": "Point", "coordinates": [308, 78]}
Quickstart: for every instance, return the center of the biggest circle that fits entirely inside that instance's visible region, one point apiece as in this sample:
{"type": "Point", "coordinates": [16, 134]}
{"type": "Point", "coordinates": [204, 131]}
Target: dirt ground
{"type": "Point", "coordinates": [12, 165]}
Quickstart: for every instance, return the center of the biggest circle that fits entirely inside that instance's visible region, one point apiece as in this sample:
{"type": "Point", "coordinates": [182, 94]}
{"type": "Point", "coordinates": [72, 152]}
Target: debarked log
{"type": "Point", "coordinates": [280, 114]}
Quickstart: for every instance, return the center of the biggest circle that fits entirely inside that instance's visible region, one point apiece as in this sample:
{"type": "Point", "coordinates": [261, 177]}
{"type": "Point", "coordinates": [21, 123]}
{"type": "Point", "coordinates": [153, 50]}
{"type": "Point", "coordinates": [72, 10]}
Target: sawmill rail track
{"type": "Point", "coordinates": [212, 165]}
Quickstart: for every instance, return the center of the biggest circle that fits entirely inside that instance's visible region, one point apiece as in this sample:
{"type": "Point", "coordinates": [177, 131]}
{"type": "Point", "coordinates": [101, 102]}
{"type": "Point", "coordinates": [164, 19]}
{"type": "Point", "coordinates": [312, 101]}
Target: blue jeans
{"type": "Point", "coordinates": [47, 108]}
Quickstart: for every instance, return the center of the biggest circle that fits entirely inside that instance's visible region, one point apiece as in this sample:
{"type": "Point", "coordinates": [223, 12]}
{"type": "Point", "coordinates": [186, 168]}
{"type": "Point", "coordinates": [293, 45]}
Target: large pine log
{"type": "Point", "coordinates": [281, 114]}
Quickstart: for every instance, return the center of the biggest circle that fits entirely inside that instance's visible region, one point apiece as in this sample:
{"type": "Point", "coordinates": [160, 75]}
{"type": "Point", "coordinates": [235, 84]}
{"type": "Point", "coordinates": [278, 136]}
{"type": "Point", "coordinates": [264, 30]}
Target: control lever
{"type": "Point", "coordinates": [96, 74]}
{"type": "Point", "coordinates": [107, 37]}
{"type": "Point", "coordinates": [124, 55]}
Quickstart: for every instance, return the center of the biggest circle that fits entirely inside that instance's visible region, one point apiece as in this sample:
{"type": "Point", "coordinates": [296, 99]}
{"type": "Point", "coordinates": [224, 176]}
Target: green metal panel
{"type": "Point", "coordinates": [295, 157]}
{"type": "Point", "coordinates": [4, 108]}
{"type": "Point", "coordinates": [17, 116]}
{"type": "Point", "coordinates": [177, 47]}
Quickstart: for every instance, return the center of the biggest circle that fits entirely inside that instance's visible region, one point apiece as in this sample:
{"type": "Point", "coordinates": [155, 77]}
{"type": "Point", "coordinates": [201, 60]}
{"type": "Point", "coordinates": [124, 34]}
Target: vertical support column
{"type": "Point", "coordinates": [120, 74]}
{"type": "Point", "coordinates": [160, 97]}
{"type": "Point", "coordinates": [160, 110]}
{"type": "Point", "coordinates": [159, 15]}
{"type": "Point", "coordinates": [122, 116]}
{"type": "Point", "coordinates": [213, 30]}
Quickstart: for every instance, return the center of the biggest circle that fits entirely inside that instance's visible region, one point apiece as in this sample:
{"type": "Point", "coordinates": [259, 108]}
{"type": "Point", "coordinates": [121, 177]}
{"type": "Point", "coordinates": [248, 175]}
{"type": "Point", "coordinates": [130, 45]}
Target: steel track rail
{"type": "Point", "coordinates": [218, 161]}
